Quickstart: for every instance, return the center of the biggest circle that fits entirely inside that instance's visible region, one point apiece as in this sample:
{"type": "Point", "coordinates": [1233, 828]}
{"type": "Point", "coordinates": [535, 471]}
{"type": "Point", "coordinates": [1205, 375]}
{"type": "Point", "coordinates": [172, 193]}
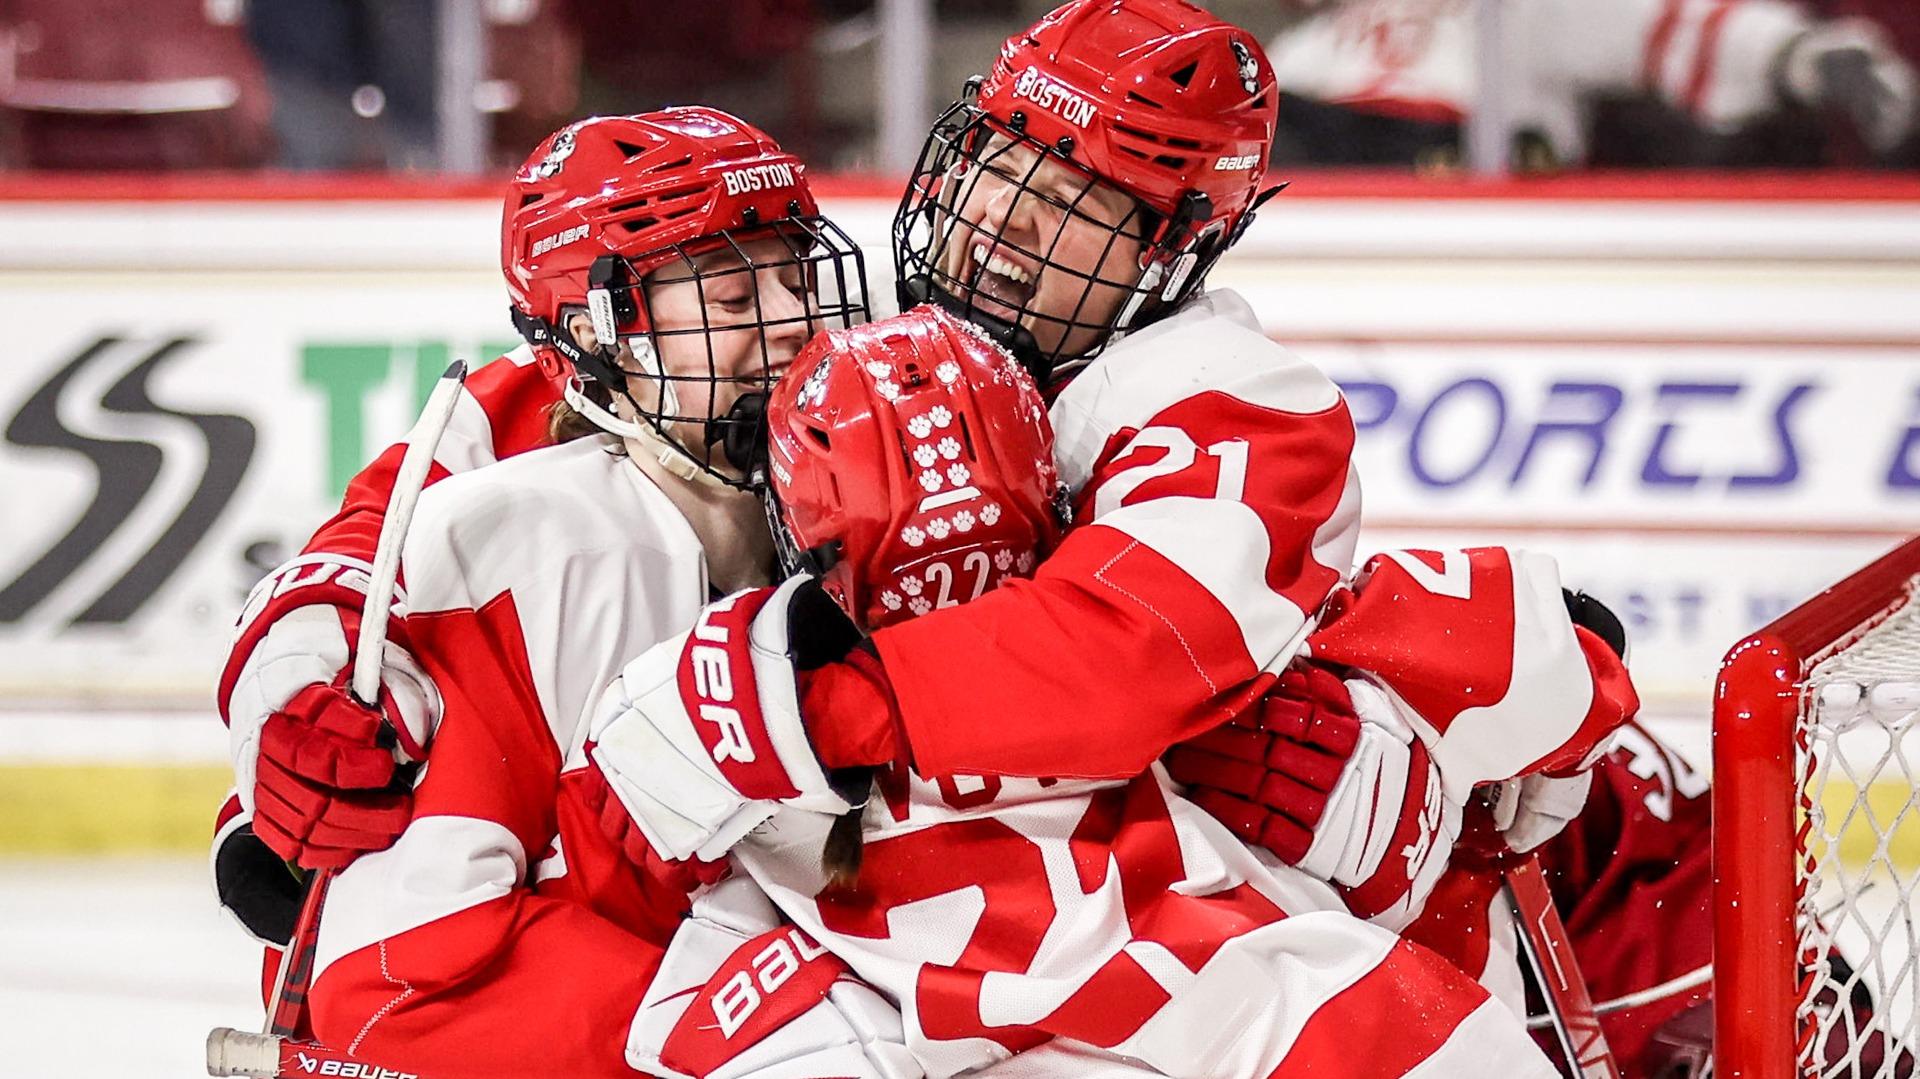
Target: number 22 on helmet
{"type": "Point", "coordinates": [911, 467]}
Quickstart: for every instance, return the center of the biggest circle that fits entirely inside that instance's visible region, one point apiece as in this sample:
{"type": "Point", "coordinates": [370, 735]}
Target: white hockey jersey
{"type": "Point", "coordinates": [1108, 926]}
{"type": "Point", "coordinates": [1113, 928]}
{"type": "Point", "coordinates": [503, 916]}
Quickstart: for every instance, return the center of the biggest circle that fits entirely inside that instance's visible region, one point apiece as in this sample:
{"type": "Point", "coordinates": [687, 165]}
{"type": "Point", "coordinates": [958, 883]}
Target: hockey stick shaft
{"type": "Point", "coordinates": [1543, 939]}
{"type": "Point", "coordinates": [296, 963]}
{"type": "Point", "coordinates": [422, 441]}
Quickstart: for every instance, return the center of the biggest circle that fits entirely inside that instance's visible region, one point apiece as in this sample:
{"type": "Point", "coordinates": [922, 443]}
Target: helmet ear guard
{"type": "Point", "coordinates": [1192, 265]}
{"type": "Point", "coordinates": [608, 304]}
{"type": "Point", "coordinates": [1171, 257]}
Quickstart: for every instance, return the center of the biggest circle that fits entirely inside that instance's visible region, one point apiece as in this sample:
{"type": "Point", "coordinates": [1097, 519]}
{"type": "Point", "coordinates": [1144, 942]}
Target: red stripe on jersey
{"type": "Point", "coordinates": [355, 530]}
{"type": "Point", "coordinates": [1112, 1006]}
{"type": "Point", "coordinates": [518, 985]}
{"type": "Point", "coordinates": [1455, 922]}
{"type": "Point", "coordinates": [1440, 629]}
{"type": "Point", "coordinates": [229, 809]}
{"type": "Point", "coordinates": [518, 401]}
{"type": "Point", "coordinates": [1706, 54]}
{"type": "Point", "coordinates": [1397, 1015]}
{"type": "Point", "coordinates": [478, 658]}
{"type": "Point", "coordinates": [1289, 468]}
{"type": "Point", "coordinates": [1614, 701]}
{"type": "Point", "coordinates": [1436, 626]}
{"type": "Point", "coordinates": [1654, 59]}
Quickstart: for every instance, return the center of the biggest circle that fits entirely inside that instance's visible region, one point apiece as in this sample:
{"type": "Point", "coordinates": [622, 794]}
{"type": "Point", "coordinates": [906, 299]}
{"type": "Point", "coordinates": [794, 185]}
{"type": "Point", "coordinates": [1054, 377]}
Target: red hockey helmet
{"type": "Point", "coordinates": [912, 466]}
{"type": "Point", "coordinates": [1156, 99]}
{"type": "Point", "coordinates": [605, 202]}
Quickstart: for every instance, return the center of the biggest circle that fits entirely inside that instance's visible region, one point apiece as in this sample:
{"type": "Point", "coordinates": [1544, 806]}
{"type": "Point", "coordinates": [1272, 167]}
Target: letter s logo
{"type": "Point", "coordinates": [162, 478]}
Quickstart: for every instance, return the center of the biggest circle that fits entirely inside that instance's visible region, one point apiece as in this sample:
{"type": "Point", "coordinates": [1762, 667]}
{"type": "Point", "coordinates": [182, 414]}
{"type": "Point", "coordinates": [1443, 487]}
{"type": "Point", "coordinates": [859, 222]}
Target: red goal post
{"type": "Point", "coordinates": [1774, 736]}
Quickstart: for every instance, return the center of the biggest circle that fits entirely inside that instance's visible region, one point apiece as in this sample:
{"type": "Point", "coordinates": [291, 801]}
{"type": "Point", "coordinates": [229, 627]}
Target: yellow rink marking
{"type": "Point", "coordinates": [1890, 808]}
{"type": "Point", "coordinates": [109, 808]}
{"type": "Point", "coordinates": [137, 808]}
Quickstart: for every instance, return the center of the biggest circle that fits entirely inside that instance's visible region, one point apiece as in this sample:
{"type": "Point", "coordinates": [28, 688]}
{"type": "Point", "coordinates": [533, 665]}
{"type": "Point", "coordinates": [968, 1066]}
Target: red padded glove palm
{"type": "Point", "coordinates": [1267, 773]}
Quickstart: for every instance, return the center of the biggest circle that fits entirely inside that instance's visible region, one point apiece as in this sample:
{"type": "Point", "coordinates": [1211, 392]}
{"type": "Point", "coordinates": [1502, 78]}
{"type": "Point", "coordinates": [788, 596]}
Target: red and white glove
{"type": "Point", "coordinates": [741, 993]}
{"type": "Point", "coordinates": [1269, 771]}
{"type": "Point", "coordinates": [1327, 776]}
{"type": "Point", "coordinates": [701, 737]}
{"type": "Point", "coordinates": [314, 768]}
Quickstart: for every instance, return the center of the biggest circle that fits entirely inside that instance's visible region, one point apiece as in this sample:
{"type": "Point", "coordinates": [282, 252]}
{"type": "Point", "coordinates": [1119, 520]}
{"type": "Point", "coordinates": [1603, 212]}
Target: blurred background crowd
{"type": "Point", "coordinates": [467, 85]}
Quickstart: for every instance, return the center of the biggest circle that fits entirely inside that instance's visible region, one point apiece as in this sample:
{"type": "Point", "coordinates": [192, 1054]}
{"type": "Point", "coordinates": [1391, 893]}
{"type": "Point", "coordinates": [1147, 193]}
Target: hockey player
{"type": "Point", "coordinates": [1630, 871]}
{"type": "Point", "coordinates": [502, 934]}
{"type": "Point", "coordinates": [1109, 158]}
{"type": "Point", "coordinates": [313, 771]}
{"type": "Point", "coordinates": [1211, 558]}
{"type": "Point", "coordinates": [1097, 926]}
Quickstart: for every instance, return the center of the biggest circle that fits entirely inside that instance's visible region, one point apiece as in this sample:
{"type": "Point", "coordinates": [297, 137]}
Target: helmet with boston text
{"type": "Point", "coordinates": [1090, 181]}
{"type": "Point", "coordinates": [676, 260]}
{"type": "Point", "coordinates": [911, 466]}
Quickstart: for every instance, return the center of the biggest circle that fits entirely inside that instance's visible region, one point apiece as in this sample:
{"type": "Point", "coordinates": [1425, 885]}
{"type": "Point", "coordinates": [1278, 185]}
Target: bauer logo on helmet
{"type": "Point", "coordinates": [558, 239]}
{"type": "Point", "coordinates": [1054, 97]}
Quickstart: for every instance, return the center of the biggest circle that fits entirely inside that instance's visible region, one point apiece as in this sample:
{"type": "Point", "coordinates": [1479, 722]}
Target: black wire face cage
{"type": "Point", "coordinates": [971, 159]}
{"type": "Point", "coordinates": [688, 403]}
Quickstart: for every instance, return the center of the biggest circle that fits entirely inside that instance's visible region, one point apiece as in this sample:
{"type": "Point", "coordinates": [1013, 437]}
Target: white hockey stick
{"type": "Point", "coordinates": [422, 441]}
{"type": "Point", "coordinates": [225, 1045]}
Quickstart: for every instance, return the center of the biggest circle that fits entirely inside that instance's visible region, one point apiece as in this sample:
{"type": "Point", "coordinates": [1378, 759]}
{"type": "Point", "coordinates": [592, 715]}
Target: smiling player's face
{"type": "Point", "coordinates": [1040, 243]}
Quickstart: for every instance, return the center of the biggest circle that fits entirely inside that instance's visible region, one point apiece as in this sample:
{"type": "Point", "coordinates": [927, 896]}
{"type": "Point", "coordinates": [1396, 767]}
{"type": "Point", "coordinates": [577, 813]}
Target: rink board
{"type": "Point", "coordinates": [1706, 404]}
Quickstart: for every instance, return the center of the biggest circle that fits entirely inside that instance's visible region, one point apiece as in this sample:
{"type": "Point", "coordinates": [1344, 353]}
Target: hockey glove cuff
{"type": "Point", "coordinates": [701, 737]}
{"type": "Point", "coordinates": [739, 993]}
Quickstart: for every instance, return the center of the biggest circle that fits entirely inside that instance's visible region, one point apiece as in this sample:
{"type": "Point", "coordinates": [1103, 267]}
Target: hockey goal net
{"type": "Point", "coordinates": [1816, 835]}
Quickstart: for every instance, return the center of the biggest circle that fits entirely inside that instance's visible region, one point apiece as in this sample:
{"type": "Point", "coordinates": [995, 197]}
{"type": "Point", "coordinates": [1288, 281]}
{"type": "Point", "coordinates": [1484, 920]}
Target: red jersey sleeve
{"type": "Point", "coordinates": [1478, 645]}
{"type": "Point", "coordinates": [1212, 470]}
{"type": "Point", "coordinates": [460, 952]}
{"type": "Point", "coordinates": [502, 412]}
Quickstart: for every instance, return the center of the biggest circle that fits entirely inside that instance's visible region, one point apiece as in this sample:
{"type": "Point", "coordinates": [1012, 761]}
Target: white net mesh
{"type": "Point", "coordinates": [1860, 833]}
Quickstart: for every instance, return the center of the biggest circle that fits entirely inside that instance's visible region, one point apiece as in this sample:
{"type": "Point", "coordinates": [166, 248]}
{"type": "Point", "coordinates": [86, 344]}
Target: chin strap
{"type": "Point", "coordinates": [671, 456]}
